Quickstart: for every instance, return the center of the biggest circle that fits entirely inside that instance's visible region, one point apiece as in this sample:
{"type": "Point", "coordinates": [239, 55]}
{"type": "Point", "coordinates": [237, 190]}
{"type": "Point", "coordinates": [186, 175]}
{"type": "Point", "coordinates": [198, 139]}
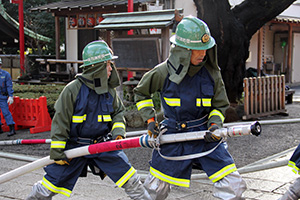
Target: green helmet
{"type": "Point", "coordinates": [193, 33]}
{"type": "Point", "coordinates": [96, 52]}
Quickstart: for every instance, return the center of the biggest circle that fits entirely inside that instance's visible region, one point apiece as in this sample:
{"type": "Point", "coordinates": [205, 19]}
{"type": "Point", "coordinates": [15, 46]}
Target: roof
{"type": "Point", "coordinates": [287, 19]}
{"type": "Point", "coordinates": [134, 20]}
{"type": "Point", "coordinates": [11, 25]}
{"type": "Point", "coordinates": [290, 15]}
{"type": "Point", "coordinates": [79, 4]}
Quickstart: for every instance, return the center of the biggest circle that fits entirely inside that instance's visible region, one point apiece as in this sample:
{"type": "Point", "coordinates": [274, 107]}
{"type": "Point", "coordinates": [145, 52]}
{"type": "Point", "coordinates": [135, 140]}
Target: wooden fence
{"type": "Point", "coordinates": [264, 96]}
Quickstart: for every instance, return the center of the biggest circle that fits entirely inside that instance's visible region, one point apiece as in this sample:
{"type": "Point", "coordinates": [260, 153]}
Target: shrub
{"type": "Point", "coordinates": [52, 92]}
{"type": "Point", "coordinates": [36, 91]}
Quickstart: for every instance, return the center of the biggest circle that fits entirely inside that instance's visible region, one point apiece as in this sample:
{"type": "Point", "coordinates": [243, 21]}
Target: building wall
{"type": "Point", "coordinates": [72, 45]}
{"type": "Point", "coordinates": [296, 58]}
{"type": "Point", "coordinates": [188, 6]}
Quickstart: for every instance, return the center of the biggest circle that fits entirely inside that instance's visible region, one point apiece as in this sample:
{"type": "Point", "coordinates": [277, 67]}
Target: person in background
{"type": "Point", "coordinates": [293, 192]}
{"type": "Point", "coordinates": [194, 98]}
{"type": "Point", "coordinates": [89, 111]}
{"type": "Point", "coordinates": [6, 99]}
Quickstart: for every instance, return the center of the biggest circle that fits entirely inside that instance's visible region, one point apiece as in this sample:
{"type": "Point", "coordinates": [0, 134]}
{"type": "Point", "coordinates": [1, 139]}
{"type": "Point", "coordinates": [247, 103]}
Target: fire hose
{"type": "Point", "coordinates": [142, 141]}
{"type": "Point", "coordinates": [25, 141]}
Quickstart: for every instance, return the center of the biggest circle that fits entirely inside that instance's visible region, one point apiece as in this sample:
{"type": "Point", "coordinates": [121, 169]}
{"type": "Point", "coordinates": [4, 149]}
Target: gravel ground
{"type": "Point", "coordinates": [245, 150]}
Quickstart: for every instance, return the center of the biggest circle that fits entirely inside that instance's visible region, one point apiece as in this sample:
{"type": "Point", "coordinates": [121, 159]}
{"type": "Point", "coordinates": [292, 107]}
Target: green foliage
{"type": "Point", "coordinates": [36, 91]}
{"type": "Point", "coordinates": [52, 92]}
{"type": "Point", "coordinates": [39, 22]}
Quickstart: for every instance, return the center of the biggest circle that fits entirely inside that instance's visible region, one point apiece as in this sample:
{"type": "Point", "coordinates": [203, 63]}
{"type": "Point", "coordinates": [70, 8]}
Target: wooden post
{"type": "Point", "coordinates": [264, 94]}
{"type": "Point", "coordinates": [165, 34]}
{"type": "Point", "coordinates": [259, 45]}
{"type": "Point", "coordinates": [289, 61]}
{"type": "Point", "coordinates": [57, 42]}
{"type": "Point", "coordinates": [259, 80]}
{"type": "Point", "coordinates": [246, 96]}
{"type": "Point", "coordinates": [277, 96]}
{"type": "Point", "coordinates": [255, 94]}
{"type": "Point", "coordinates": [251, 95]}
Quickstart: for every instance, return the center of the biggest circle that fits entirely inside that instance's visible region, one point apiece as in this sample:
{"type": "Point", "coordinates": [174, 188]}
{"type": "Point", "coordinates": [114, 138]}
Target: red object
{"type": "Point", "coordinates": [114, 145]}
{"type": "Point", "coordinates": [21, 37]}
{"type": "Point", "coordinates": [14, 1]}
{"type": "Point", "coordinates": [129, 75]}
{"type": "Point", "coordinates": [99, 19]}
{"type": "Point", "coordinates": [130, 32]}
{"type": "Point", "coordinates": [81, 22]}
{"type": "Point", "coordinates": [72, 21]}
{"type": "Point", "coordinates": [29, 113]}
{"type": "Point", "coordinates": [34, 141]}
{"type": "Point", "coordinates": [91, 22]}
{"type": "Point", "coordinates": [21, 34]}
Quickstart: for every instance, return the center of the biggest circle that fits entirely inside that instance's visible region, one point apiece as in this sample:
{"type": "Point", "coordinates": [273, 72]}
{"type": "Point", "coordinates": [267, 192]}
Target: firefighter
{"type": "Point", "coordinates": [193, 98]}
{"type": "Point", "coordinates": [293, 192]}
{"type": "Point", "coordinates": [6, 99]}
{"type": "Point", "coordinates": [87, 110]}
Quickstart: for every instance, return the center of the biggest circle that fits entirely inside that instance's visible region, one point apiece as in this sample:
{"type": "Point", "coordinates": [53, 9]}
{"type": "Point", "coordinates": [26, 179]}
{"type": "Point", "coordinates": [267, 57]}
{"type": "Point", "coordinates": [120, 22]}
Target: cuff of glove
{"type": "Point", "coordinates": [150, 120]}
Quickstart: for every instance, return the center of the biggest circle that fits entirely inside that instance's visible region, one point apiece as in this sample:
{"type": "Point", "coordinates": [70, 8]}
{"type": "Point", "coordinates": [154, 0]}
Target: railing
{"type": "Point", "coordinates": [264, 96]}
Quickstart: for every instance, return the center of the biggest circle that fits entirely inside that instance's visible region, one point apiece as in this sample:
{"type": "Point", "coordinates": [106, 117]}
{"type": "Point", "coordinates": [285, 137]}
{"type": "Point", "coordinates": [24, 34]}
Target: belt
{"type": "Point", "coordinates": [191, 124]}
{"type": "Point", "coordinates": [81, 140]}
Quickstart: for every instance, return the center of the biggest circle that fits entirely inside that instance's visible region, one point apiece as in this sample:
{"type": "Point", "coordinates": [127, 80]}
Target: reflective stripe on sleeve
{"type": "Point", "coordinates": [55, 189]}
{"type": "Point", "coordinates": [217, 113]}
{"type": "Point", "coordinates": [118, 125]}
{"type": "Point", "coordinates": [169, 179]}
{"type": "Point", "coordinates": [125, 177]}
{"type": "Point", "coordinates": [222, 173]}
{"type": "Point", "coordinates": [144, 103]}
{"type": "Point", "coordinates": [58, 144]}
{"type": "Point", "coordinates": [172, 101]}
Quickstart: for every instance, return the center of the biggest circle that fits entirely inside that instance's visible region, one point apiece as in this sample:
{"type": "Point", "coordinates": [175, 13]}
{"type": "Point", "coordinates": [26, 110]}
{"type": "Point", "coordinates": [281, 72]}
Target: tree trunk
{"type": "Point", "coordinates": [232, 29]}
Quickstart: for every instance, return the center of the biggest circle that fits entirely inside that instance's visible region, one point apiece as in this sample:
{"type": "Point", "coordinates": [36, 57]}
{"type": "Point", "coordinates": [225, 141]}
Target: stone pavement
{"type": "Point", "coordinates": [268, 184]}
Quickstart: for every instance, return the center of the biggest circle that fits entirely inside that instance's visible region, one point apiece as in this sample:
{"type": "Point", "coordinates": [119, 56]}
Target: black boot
{"type": "Point", "coordinates": [11, 130]}
{"type": "Point", "coordinates": [1, 131]}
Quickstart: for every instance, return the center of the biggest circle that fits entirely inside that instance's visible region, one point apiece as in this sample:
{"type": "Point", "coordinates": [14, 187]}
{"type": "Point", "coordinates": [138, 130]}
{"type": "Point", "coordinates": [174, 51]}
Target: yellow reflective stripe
{"type": "Point", "coordinates": [144, 103]}
{"type": "Point", "coordinates": [222, 173]}
{"type": "Point", "coordinates": [172, 101]}
{"type": "Point", "coordinates": [169, 179]}
{"type": "Point", "coordinates": [198, 102]}
{"type": "Point", "coordinates": [118, 125]}
{"type": "Point", "coordinates": [55, 189]}
{"type": "Point", "coordinates": [217, 113]}
{"type": "Point", "coordinates": [125, 177]}
{"type": "Point", "coordinates": [106, 118]}
{"type": "Point", "coordinates": [206, 102]}
{"type": "Point", "coordinates": [99, 118]}
{"type": "Point", "coordinates": [58, 144]}
{"type": "Point", "coordinates": [79, 119]}
{"type": "Point", "coordinates": [295, 169]}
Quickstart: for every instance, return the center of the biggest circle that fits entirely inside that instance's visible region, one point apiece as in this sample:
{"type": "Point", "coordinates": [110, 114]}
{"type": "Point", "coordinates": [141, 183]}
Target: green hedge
{"type": "Point", "coordinates": [36, 91]}
{"type": "Point", "coordinates": [52, 92]}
